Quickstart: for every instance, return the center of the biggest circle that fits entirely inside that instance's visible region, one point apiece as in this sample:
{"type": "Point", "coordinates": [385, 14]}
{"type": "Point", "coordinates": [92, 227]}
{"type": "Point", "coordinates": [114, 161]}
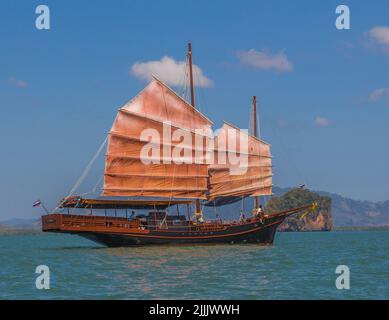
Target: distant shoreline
{"type": "Point", "coordinates": [19, 231]}
{"type": "Point", "coordinates": [361, 228]}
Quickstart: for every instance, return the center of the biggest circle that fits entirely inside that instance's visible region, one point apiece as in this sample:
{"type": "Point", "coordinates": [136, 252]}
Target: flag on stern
{"type": "Point", "coordinates": [37, 203]}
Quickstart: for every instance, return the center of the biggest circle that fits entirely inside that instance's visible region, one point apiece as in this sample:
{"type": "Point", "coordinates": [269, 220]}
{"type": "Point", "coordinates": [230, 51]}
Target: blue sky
{"type": "Point", "coordinates": [60, 88]}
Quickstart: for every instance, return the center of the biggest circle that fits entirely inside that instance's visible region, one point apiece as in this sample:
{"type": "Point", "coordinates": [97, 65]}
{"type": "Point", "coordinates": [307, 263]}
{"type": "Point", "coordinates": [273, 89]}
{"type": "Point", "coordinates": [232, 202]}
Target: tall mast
{"type": "Point", "coordinates": [192, 100]}
{"type": "Point", "coordinates": [255, 134]}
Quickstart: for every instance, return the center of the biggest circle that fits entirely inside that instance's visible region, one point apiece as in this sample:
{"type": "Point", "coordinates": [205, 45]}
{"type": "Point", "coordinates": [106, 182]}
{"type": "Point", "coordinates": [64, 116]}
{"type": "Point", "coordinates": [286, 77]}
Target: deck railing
{"type": "Point", "coordinates": [97, 221]}
{"type": "Point", "coordinates": [70, 220]}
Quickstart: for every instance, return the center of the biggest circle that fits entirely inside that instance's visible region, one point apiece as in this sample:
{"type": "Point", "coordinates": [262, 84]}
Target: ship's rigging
{"type": "Point", "coordinates": [144, 171]}
{"type": "Point", "coordinates": [217, 184]}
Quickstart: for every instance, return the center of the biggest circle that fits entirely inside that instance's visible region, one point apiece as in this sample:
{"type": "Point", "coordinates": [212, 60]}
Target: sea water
{"type": "Point", "coordinates": [297, 266]}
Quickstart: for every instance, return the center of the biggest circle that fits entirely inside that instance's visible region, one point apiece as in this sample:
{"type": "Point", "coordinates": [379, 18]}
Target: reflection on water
{"type": "Point", "coordinates": [165, 271]}
{"type": "Point", "coordinates": [299, 265]}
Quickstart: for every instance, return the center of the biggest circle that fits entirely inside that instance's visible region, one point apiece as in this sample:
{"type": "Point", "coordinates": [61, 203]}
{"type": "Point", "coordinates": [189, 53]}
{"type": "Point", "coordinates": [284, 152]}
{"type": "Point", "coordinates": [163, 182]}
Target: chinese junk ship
{"type": "Point", "coordinates": [165, 178]}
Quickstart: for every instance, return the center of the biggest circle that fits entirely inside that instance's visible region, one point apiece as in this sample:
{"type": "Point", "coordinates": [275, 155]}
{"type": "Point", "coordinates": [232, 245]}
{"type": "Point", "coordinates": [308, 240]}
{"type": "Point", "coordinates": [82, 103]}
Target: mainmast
{"type": "Point", "coordinates": [255, 134]}
{"type": "Point", "coordinates": [192, 101]}
{"type": "Point", "coordinates": [192, 98]}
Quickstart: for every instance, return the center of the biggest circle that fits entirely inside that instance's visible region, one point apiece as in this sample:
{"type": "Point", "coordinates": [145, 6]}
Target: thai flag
{"type": "Point", "coordinates": [37, 203]}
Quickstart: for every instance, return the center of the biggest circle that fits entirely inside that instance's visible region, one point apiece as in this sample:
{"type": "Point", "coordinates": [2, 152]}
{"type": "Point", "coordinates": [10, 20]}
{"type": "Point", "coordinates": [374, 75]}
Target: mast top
{"type": "Point", "coordinates": [192, 99]}
{"type": "Point", "coordinates": [254, 117]}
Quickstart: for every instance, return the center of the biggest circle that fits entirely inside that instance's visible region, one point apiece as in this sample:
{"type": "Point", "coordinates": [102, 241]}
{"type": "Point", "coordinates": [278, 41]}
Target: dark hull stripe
{"type": "Point", "coordinates": [262, 235]}
{"type": "Point", "coordinates": [195, 237]}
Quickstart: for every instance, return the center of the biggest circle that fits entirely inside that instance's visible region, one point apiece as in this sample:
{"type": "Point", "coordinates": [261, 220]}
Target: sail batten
{"type": "Point", "coordinates": [242, 179]}
{"type": "Point", "coordinates": [163, 121]}
{"type": "Point", "coordinates": [243, 192]}
{"type": "Point", "coordinates": [199, 161]}
{"type": "Point", "coordinates": [170, 194]}
{"type": "Point", "coordinates": [135, 139]}
{"type": "Point", "coordinates": [156, 189]}
{"type": "Point", "coordinates": [154, 176]}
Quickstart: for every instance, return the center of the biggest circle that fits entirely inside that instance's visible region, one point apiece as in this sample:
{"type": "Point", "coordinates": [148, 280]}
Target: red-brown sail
{"type": "Point", "coordinates": [250, 177]}
{"type": "Point", "coordinates": [159, 109]}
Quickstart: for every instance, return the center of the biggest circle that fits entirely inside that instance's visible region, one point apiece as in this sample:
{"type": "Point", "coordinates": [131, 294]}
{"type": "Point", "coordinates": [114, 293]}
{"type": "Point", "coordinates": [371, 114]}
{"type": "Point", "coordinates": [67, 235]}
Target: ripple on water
{"type": "Point", "coordinates": [298, 266]}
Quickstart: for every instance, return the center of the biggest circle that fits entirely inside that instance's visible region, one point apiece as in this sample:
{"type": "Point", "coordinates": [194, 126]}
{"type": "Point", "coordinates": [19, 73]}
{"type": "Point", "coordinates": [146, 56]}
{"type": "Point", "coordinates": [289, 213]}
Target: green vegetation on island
{"type": "Point", "coordinates": [319, 220]}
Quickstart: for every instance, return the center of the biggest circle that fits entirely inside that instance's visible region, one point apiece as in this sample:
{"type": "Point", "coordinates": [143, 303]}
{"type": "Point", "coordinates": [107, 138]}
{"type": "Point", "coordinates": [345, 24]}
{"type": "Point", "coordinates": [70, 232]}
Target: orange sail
{"type": "Point", "coordinates": [250, 176]}
{"type": "Point", "coordinates": [159, 112]}
{"type": "Point", "coordinates": [142, 158]}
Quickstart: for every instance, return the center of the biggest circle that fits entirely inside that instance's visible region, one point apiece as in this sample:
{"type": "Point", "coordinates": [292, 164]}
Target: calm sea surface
{"type": "Point", "coordinates": [298, 266]}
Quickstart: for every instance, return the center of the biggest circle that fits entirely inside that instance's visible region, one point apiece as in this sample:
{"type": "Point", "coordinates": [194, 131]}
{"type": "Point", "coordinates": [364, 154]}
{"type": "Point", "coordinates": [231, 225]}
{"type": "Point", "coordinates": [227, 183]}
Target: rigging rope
{"type": "Point", "coordinates": [289, 148]}
{"type": "Point", "coordinates": [258, 122]}
{"type": "Point", "coordinates": [84, 174]}
{"type": "Point", "coordinates": [87, 168]}
{"type": "Point", "coordinates": [197, 91]}
{"type": "Point", "coordinates": [97, 184]}
{"type": "Point", "coordinates": [259, 137]}
{"type": "Point", "coordinates": [184, 89]}
{"type": "Point", "coordinates": [242, 204]}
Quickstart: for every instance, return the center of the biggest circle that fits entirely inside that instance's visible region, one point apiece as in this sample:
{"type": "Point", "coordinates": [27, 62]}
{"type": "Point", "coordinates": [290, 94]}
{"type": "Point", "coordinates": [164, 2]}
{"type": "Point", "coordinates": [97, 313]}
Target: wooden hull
{"type": "Point", "coordinates": [263, 235]}
{"type": "Point", "coordinates": [117, 232]}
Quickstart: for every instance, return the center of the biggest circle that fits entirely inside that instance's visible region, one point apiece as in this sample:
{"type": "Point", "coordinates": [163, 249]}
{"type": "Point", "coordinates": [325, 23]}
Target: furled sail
{"type": "Point", "coordinates": [250, 176]}
{"type": "Point", "coordinates": [153, 122]}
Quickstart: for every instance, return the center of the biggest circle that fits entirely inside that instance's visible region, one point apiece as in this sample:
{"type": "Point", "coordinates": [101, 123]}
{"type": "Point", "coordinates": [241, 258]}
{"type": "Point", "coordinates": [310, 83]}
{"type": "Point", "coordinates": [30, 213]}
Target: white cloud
{"type": "Point", "coordinates": [377, 94]}
{"type": "Point", "coordinates": [379, 36]}
{"type": "Point", "coordinates": [265, 60]}
{"type": "Point", "coordinates": [170, 71]}
{"type": "Point", "coordinates": [321, 122]}
{"type": "Point", "coordinates": [17, 82]}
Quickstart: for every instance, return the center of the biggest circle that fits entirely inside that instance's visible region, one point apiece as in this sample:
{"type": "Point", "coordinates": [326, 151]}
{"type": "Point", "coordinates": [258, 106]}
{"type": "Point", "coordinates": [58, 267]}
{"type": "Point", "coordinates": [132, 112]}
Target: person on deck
{"type": "Point", "coordinates": [199, 217]}
{"type": "Point", "coordinates": [242, 217]}
{"type": "Point", "coordinates": [258, 213]}
{"type": "Point", "coordinates": [261, 213]}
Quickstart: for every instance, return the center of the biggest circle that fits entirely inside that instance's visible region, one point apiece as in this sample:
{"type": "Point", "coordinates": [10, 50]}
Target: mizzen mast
{"type": "Point", "coordinates": [198, 212]}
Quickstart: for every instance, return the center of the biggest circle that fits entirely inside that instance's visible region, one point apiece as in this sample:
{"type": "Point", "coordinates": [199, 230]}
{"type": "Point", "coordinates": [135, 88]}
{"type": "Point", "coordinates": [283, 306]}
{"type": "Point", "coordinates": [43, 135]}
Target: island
{"type": "Point", "coordinates": [319, 220]}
